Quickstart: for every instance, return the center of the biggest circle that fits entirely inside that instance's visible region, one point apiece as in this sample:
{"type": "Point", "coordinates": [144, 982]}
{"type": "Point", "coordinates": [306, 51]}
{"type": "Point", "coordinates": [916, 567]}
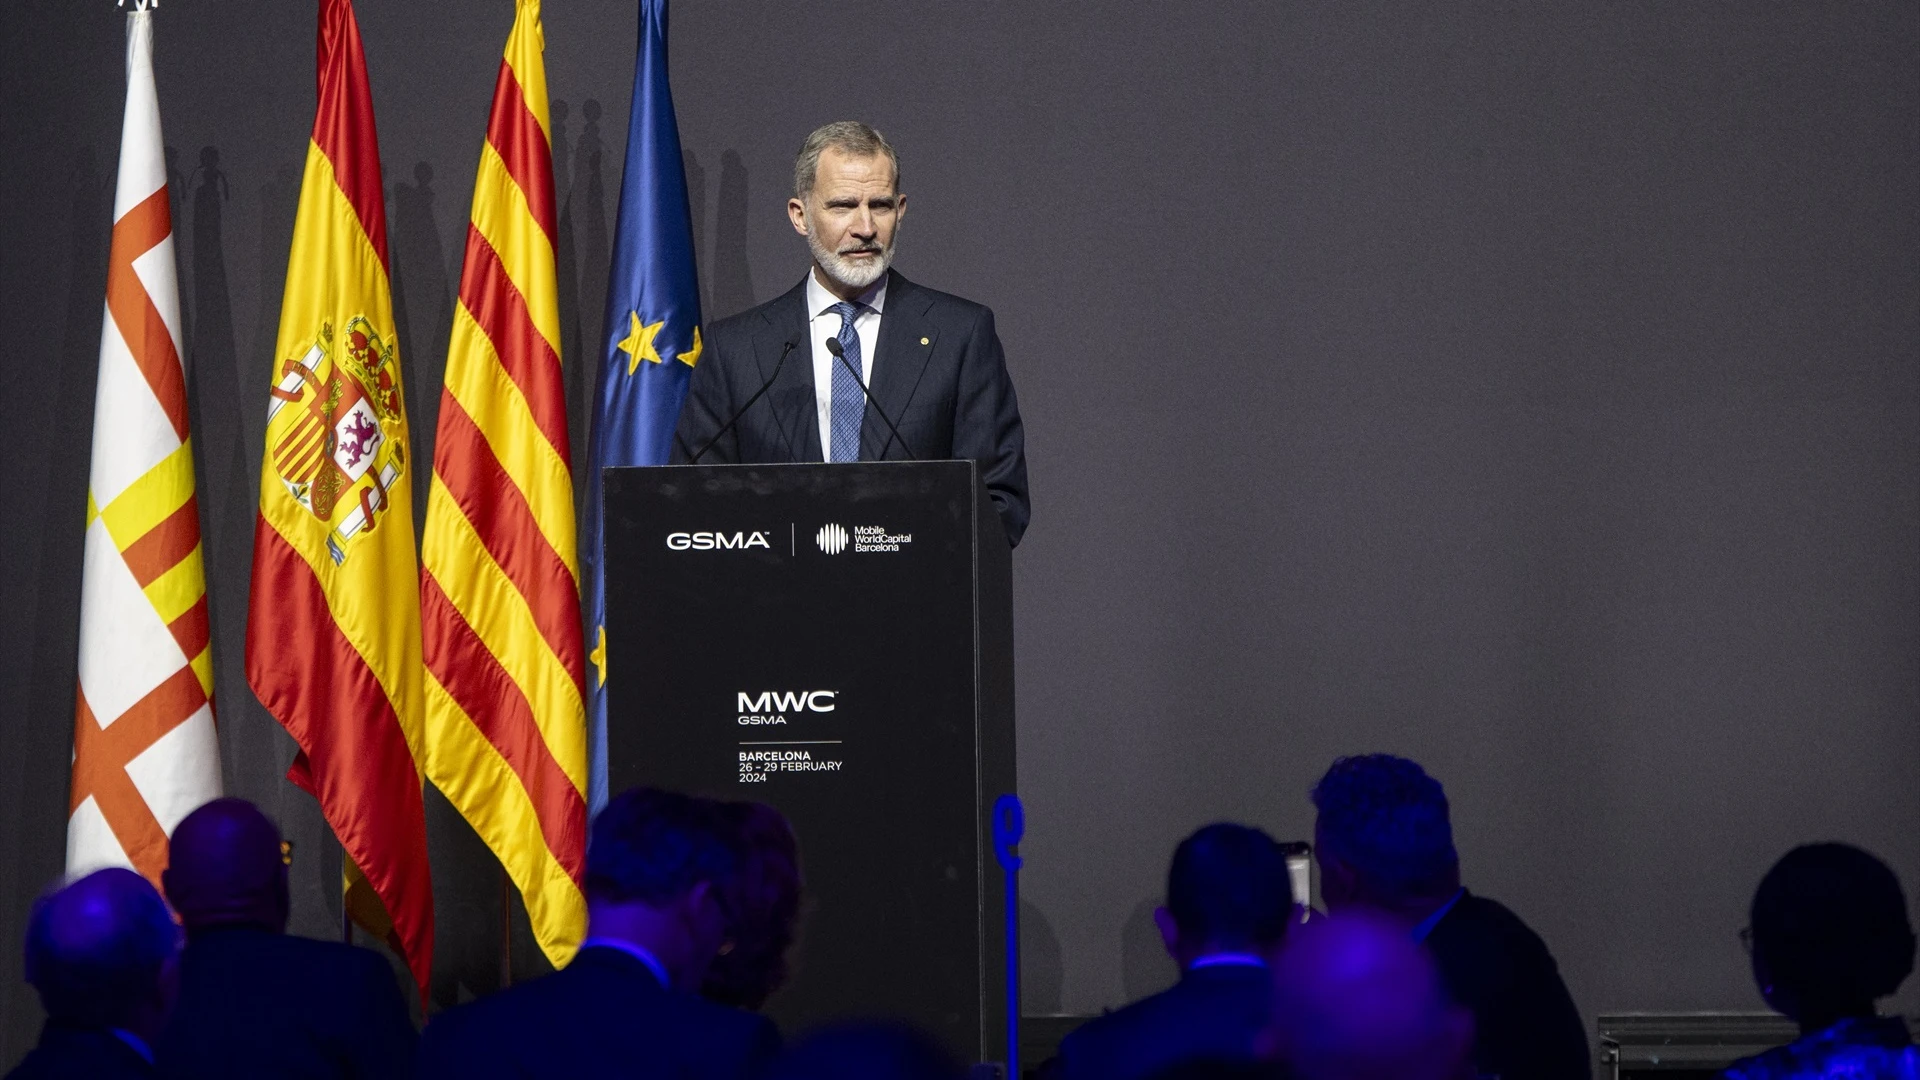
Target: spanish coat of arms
{"type": "Point", "coordinates": [336, 430]}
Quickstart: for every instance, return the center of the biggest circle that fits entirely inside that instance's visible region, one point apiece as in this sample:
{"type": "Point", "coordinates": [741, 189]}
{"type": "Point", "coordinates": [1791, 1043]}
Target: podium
{"type": "Point", "coordinates": [835, 641]}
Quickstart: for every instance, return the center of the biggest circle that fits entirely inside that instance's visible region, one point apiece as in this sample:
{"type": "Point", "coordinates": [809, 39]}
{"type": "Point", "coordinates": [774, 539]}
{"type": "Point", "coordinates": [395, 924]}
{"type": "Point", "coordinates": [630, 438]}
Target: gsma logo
{"type": "Point", "coordinates": [710, 541]}
{"type": "Point", "coordinates": [832, 539]}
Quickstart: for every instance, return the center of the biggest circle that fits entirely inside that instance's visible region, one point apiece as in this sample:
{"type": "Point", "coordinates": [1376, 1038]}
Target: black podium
{"type": "Point", "coordinates": [836, 641]}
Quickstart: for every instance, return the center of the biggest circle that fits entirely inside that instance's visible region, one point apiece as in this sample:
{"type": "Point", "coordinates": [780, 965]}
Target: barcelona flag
{"type": "Point", "coordinates": [144, 753]}
{"type": "Point", "coordinates": [651, 339]}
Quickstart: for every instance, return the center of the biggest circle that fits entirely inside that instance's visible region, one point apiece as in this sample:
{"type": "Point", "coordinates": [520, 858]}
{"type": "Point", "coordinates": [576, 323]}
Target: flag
{"type": "Point", "coordinates": [144, 753]}
{"type": "Point", "coordinates": [333, 636]}
{"type": "Point", "coordinates": [500, 590]}
{"type": "Point", "coordinates": [651, 339]}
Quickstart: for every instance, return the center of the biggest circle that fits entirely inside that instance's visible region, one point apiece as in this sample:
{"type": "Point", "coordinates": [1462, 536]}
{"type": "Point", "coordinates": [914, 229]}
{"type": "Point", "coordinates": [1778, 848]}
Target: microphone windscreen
{"type": "Point", "coordinates": [833, 346]}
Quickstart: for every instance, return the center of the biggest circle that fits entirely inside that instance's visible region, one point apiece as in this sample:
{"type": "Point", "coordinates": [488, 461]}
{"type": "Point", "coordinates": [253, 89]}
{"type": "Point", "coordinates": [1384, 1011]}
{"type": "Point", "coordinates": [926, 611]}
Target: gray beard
{"type": "Point", "coordinates": [844, 271]}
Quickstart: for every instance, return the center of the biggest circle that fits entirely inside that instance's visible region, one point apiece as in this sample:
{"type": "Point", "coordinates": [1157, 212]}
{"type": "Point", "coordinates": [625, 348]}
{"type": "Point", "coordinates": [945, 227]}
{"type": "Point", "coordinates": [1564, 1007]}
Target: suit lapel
{"type": "Point", "coordinates": [906, 341]}
{"type": "Point", "coordinates": [791, 397]}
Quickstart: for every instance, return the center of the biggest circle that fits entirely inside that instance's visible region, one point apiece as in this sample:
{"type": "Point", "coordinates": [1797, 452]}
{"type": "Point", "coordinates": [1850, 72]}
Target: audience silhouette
{"type": "Point", "coordinates": [1830, 936]}
{"type": "Point", "coordinates": [1385, 846]}
{"type": "Point", "coordinates": [1229, 902]}
{"type": "Point", "coordinates": [627, 1005]}
{"type": "Point", "coordinates": [255, 1000]}
{"type": "Point", "coordinates": [694, 904]}
{"type": "Point", "coordinates": [103, 953]}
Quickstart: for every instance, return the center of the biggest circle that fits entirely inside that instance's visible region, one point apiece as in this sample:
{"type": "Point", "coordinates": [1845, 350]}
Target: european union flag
{"type": "Point", "coordinates": [651, 339]}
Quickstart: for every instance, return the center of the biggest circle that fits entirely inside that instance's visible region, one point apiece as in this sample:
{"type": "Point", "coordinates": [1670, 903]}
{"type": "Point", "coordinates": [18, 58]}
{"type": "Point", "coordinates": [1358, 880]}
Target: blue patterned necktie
{"type": "Point", "coordinates": [849, 401]}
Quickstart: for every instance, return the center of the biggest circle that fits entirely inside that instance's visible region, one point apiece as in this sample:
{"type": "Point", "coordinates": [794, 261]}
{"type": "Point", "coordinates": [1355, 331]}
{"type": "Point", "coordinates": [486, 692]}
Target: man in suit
{"type": "Point", "coordinates": [1385, 845]}
{"type": "Point", "coordinates": [627, 1005]}
{"type": "Point", "coordinates": [255, 1000]}
{"type": "Point", "coordinates": [932, 361]}
{"type": "Point", "coordinates": [1228, 905]}
{"type": "Point", "coordinates": [103, 954]}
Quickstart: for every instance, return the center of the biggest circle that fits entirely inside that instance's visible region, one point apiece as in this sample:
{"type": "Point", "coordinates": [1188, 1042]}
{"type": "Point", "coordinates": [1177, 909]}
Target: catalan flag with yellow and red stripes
{"type": "Point", "coordinates": [144, 753]}
{"type": "Point", "coordinates": [499, 596]}
{"type": "Point", "coordinates": [333, 630]}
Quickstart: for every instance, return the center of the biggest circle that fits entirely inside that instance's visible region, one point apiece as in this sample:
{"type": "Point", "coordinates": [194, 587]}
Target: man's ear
{"type": "Point", "coordinates": [1169, 931]}
{"type": "Point", "coordinates": [797, 213]}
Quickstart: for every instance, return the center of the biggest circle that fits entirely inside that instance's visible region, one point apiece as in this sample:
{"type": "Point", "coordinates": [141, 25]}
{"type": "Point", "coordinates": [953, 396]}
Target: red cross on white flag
{"type": "Point", "coordinates": [144, 752]}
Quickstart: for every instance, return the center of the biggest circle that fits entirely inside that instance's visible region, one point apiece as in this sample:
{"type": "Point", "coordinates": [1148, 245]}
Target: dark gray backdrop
{"type": "Point", "coordinates": [1530, 389]}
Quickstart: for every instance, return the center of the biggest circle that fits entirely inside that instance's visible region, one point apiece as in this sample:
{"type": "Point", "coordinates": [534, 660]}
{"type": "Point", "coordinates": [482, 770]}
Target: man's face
{"type": "Point", "coordinates": [850, 217]}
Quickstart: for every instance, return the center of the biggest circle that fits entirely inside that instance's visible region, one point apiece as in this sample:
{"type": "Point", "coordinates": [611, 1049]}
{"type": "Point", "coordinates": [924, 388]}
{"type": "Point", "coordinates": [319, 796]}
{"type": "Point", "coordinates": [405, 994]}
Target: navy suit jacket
{"type": "Point", "coordinates": [1525, 1024]}
{"type": "Point", "coordinates": [73, 1053]}
{"type": "Point", "coordinates": [258, 1003]}
{"type": "Point", "coordinates": [603, 1015]}
{"type": "Point", "coordinates": [1211, 1014]}
{"type": "Point", "coordinates": [939, 374]}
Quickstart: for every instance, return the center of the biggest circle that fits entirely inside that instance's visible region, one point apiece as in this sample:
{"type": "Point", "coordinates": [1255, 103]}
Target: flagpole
{"type": "Point", "coordinates": [346, 910]}
{"type": "Point", "coordinates": [506, 929]}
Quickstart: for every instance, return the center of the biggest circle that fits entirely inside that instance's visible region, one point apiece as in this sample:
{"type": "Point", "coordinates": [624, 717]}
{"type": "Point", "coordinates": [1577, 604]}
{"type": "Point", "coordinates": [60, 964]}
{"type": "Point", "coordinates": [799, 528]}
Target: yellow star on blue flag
{"type": "Point", "coordinates": [652, 306]}
{"type": "Point", "coordinates": [638, 344]}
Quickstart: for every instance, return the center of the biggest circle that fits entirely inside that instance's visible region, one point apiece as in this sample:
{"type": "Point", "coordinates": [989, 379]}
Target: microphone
{"type": "Point", "coordinates": [742, 411]}
{"type": "Point", "coordinates": [840, 353]}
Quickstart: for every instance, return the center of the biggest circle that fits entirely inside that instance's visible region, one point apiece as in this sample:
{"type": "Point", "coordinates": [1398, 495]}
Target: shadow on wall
{"type": "Point", "coordinates": [732, 290]}
{"type": "Point", "coordinates": [593, 237]}
{"type": "Point", "coordinates": [576, 385]}
{"type": "Point", "coordinates": [580, 315]}
{"type": "Point", "coordinates": [279, 199]}
{"type": "Point", "coordinates": [422, 316]}
{"type": "Point", "coordinates": [1043, 970]}
{"type": "Point", "coordinates": [697, 211]}
{"type": "Point", "coordinates": [227, 501]}
{"type": "Point", "coordinates": [1145, 967]}
{"type": "Point", "coordinates": [586, 256]}
{"type": "Point", "coordinates": [177, 210]}
{"type": "Point", "coordinates": [213, 364]}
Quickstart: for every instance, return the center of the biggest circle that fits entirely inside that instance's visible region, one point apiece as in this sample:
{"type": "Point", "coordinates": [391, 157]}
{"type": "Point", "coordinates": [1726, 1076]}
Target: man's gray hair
{"type": "Point", "coordinates": [850, 137]}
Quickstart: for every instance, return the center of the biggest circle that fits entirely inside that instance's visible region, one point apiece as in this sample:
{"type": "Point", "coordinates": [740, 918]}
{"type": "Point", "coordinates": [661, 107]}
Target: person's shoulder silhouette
{"type": "Point", "coordinates": [1830, 936]}
{"type": "Point", "coordinates": [624, 1005]}
{"type": "Point", "coordinates": [254, 1000]}
{"type": "Point", "coordinates": [1229, 903]}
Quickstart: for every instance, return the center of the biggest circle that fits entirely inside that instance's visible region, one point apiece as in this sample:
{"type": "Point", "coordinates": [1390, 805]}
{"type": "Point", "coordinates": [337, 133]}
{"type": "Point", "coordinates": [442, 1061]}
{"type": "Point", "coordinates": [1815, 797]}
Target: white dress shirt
{"type": "Point", "coordinates": [653, 962]}
{"type": "Point", "coordinates": [1227, 959]}
{"type": "Point", "coordinates": [139, 1044]}
{"type": "Point", "coordinates": [823, 323]}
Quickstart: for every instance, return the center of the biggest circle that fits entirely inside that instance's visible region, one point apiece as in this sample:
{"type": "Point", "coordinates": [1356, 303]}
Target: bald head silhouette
{"type": "Point", "coordinates": [101, 952]}
{"type": "Point", "coordinates": [1355, 998]}
{"type": "Point", "coordinates": [224, 868]}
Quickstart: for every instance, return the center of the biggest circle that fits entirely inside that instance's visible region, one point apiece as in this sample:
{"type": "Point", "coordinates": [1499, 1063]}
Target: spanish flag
{"type": "Point", "coordinates": [333, 634]}
{"type": "Point", "coordinates": [499, 596]}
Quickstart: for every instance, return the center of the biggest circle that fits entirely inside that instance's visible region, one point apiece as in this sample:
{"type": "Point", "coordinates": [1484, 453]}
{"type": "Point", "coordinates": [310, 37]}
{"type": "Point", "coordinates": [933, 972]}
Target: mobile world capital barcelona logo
{"type": "Point", "coordinates": [834, 539]}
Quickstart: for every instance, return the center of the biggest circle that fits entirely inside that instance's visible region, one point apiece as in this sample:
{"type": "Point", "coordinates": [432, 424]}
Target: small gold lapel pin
{"type": "Point", "coordinates": [926, 341]}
